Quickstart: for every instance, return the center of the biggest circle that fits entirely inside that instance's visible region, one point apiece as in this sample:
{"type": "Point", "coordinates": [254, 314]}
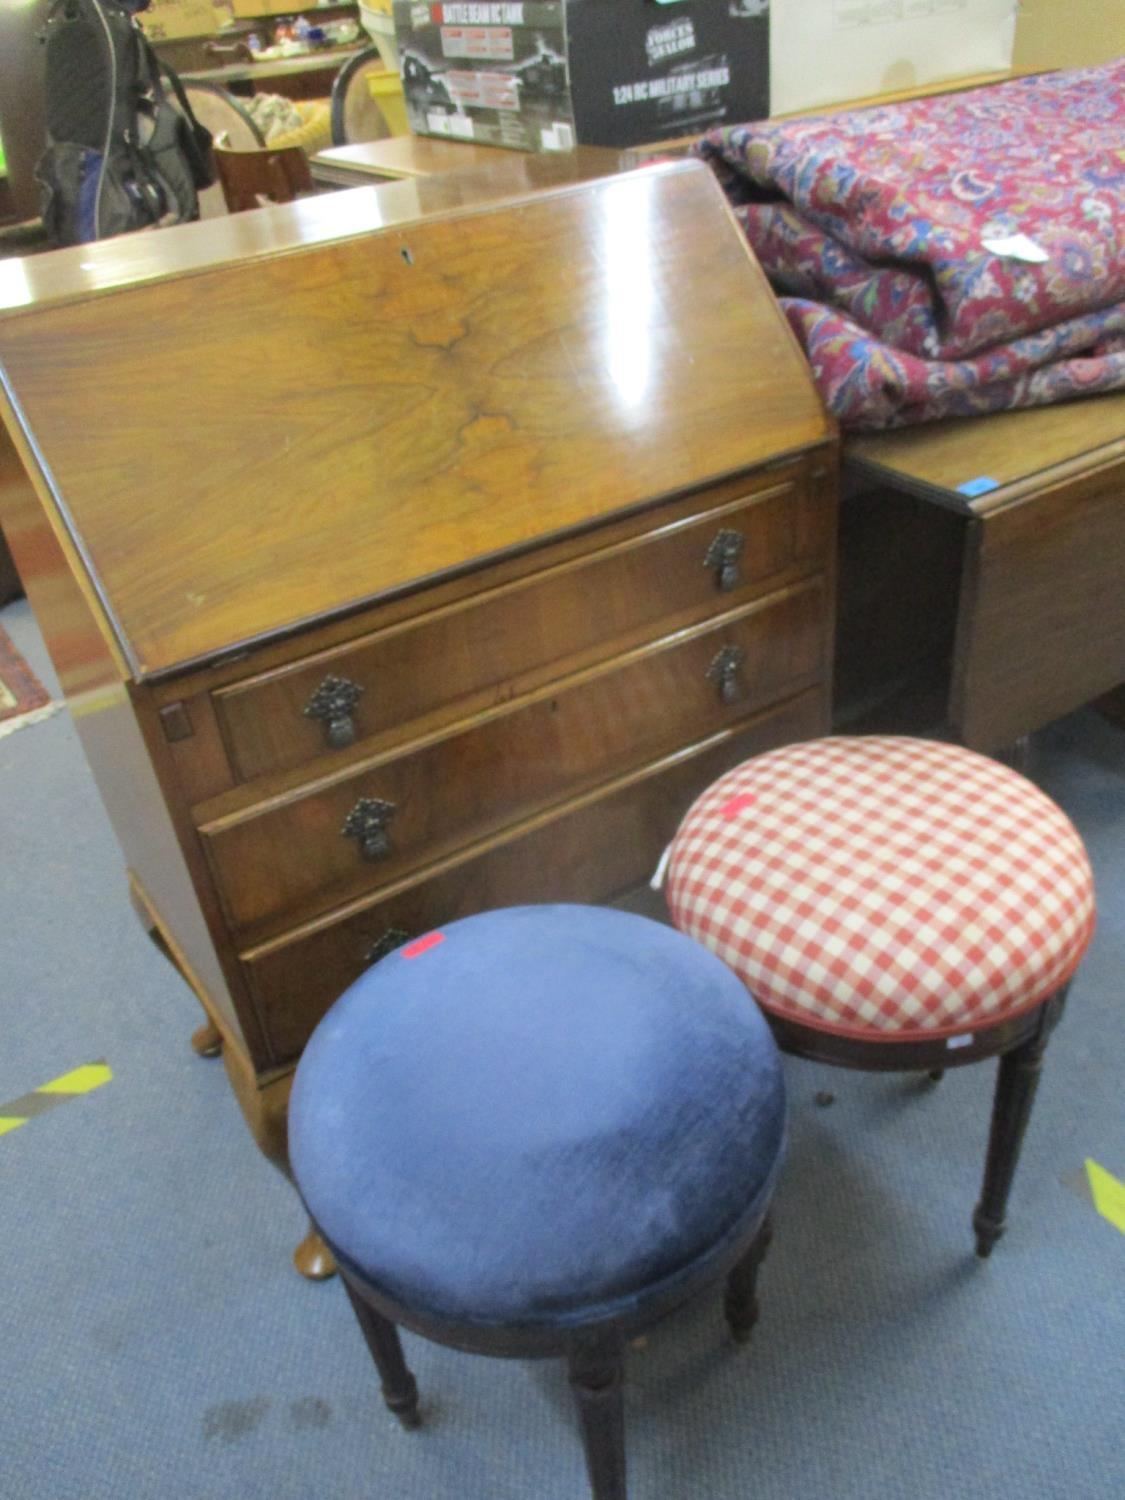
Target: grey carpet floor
{"type": "Point", "coordinates": [155, 1341]}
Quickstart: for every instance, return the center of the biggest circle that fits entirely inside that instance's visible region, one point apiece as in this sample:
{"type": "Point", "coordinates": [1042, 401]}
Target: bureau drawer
{"type": "Point", "coordinates": [311, 848]}
{"type": "Point", "coordinates": [507, 639]}
{"type": "Point", "coordinates": [588, 850]}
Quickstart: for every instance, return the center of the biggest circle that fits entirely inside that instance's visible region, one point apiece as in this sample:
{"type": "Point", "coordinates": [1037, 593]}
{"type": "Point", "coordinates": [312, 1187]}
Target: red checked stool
{"type": "Point", "coordinates": [894, 904]}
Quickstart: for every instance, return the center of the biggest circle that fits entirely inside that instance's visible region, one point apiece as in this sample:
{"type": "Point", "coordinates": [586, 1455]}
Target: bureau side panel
{"type": "Point", "coordinates": [98, 699]}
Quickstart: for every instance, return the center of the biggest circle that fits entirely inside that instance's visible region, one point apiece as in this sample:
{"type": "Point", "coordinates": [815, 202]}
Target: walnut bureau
{"type": "Point", "coordinates": [396, 567]}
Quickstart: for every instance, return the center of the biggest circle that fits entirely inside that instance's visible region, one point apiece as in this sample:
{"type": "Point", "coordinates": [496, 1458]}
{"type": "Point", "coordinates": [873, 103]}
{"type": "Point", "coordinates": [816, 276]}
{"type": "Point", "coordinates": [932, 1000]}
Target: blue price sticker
{"type": "Point", "coordinates": [978, 486]}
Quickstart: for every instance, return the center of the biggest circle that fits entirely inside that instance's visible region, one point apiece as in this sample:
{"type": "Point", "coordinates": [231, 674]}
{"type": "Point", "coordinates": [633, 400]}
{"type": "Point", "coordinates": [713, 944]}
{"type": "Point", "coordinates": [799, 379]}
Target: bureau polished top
{"type": "Point", "coordinates": [238, 448]}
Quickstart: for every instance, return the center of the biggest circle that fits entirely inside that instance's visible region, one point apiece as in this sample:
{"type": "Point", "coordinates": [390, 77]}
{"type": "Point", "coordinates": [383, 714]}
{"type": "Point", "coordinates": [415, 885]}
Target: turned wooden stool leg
{"type": "Point", "coordinates": [1016, 1083]}
{"type": "Point", "coordinates": [400, 1390]}
{"type": "Point", "coordinates": [741, 1300]}
{"type": "Point", "coordinates": [597, 1378]}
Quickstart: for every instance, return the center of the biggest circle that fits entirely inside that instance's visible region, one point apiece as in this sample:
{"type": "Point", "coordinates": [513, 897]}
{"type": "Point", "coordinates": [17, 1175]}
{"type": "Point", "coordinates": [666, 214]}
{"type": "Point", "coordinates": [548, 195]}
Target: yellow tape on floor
{"type": "Point", "coordinates": [81, 1080]}
{"type": "Point", "coordinates": [1108, 1194]}
{"type": "Point", "coordinates": [48, 1096]}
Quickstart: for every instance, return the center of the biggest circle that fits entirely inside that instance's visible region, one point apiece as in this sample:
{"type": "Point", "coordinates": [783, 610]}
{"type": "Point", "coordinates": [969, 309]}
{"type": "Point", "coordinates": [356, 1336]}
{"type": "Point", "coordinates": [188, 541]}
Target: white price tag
{"type": "Point", "coordinates": [1017, 247]}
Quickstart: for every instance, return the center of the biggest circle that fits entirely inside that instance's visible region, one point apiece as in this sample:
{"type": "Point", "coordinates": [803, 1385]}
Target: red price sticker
{"type": "Point", "coordinates": [422, 945]}
{"type": "Point", "coordinates": [738, 804]}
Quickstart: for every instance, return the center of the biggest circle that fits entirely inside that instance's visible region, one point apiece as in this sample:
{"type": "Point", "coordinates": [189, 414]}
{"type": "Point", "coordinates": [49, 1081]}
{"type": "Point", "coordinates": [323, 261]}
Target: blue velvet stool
{"type": "Point", "coordinates": [535, 1132]}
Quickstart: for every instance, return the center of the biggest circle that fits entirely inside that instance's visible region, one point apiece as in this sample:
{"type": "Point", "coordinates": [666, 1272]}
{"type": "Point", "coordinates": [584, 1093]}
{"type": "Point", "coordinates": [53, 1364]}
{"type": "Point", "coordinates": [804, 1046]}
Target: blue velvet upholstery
{"type": "Point", "coordinates": [538, 1116]}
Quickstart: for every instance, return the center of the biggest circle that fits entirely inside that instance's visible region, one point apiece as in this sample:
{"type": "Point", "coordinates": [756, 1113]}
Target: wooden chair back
{"type": "Point", "coordinates": [356, 116]}
{"type": "Point", "coordinates": [230, 125]}
{"type": "Point", "coordinates": [253, 179]}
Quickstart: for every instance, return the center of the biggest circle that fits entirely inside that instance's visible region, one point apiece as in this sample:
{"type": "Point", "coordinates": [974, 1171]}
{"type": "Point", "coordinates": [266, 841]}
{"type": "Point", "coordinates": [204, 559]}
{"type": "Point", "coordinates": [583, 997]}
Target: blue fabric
{"type": "Point", "coordinates": [546, 1113]}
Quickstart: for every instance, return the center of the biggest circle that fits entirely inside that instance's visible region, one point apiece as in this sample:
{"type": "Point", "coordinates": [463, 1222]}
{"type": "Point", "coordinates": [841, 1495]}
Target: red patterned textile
{"type": "Point", "coordinates": [869, 386]}
{"type": "Point", "coordinates": [874, 222]}
{"type": "Point", "coordinates": [884, 888]}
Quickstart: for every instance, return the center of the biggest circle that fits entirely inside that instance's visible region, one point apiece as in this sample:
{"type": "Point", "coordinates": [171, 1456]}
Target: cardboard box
{"type": "Point", "coordinates": [256, 10]}
{"type": "Point", "coordinates": [171, 20]}
{"type": "Point", "coordinates": [544, 75]}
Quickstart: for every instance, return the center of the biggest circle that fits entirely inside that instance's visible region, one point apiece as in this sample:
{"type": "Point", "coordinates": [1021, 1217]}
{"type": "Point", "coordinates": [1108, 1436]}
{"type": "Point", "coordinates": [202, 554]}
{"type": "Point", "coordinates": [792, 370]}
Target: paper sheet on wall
{"type": "Point", "coordinates": [829, 51]}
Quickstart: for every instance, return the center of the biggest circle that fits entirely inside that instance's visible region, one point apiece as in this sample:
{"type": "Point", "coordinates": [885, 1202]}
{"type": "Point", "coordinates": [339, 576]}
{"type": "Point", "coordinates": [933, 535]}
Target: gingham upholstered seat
{"type": "Point", "coordinates": [884, 888]}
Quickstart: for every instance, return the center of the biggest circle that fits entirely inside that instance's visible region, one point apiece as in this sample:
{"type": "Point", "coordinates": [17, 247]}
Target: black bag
{"type": "Point", "coordinates": [120, 155]}
{"type": "Point", "coordinates": [193, 139]}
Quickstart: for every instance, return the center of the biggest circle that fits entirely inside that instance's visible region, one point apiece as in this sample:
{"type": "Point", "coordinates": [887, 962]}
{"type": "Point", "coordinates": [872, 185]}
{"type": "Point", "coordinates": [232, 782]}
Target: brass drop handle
{"type": "Point", "coordinates": [724, 671]}
{"type": "Point", "coordinates": [334, 704]}
{"type": "Point", "coordinates": [724, 558]}
{"type": "Point", "coordinates": [367, 823]}
{"type": "Point", "coordinates": [392, 938]}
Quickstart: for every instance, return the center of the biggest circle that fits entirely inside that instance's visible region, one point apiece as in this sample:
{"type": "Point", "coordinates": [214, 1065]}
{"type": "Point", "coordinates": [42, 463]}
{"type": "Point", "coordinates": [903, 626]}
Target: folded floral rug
{"type": "Point", "coordinates": [956, 254]}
